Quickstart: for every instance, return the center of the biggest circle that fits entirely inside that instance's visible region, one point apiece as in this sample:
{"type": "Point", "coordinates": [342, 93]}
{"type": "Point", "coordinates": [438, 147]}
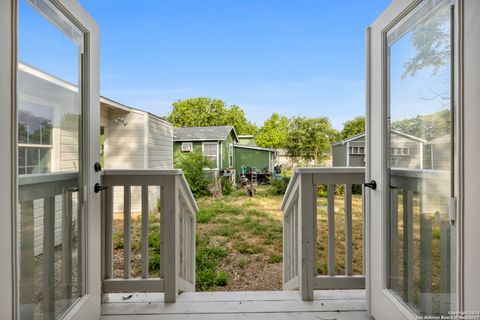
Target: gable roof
{"type": "Point", "coordinates": [355, 137]}
{"type": "Point", "coordinates": [242, 146]}
{"type": "Point", "coordinates": [203, 133]}
{"type": "Point", "coordinates": [360, 135]}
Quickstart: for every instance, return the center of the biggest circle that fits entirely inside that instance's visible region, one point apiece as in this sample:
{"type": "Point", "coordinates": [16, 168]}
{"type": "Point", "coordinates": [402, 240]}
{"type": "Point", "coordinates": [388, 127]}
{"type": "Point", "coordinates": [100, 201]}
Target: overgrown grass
{"type": "Point", "coordinates": [240, 237]}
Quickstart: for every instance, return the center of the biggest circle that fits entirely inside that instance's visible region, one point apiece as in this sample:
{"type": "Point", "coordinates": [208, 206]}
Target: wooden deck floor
{"type": "Point", "coordinates": [282, 305]}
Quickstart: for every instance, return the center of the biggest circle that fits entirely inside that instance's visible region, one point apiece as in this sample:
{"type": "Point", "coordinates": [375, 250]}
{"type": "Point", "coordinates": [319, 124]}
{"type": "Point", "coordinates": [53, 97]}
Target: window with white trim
{"type": "Point", "coordinates": [357, 150]}
{"type": "Point", "coordinates": [187, 147]}
{"type": "Point", "coordinates": [210, 151]}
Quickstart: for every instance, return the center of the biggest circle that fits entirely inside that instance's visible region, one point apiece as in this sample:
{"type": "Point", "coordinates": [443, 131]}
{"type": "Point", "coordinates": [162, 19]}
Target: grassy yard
{"type": "Point", "coordinates": [239, 242]}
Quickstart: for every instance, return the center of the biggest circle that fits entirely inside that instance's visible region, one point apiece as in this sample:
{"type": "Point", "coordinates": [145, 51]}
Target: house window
{"type": "Point", "coordinates": [357, 150]}
{"type": "Point", "coordinates": [33, 160]}
{"type": "Point", "coordinates": [210, 151]}
{"type": "Point", "coordinates": [34, 138]}
{"type": "Point", "coordinates": [230, 155]}
{"type": "Point", "coordinates": [187, 147]}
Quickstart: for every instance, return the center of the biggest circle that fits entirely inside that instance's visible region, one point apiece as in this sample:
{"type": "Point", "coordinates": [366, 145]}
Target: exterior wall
{"type": "Point", "coordinates": [339, 155]}
{"type": "Point", "coordinates": [224, 159]}
{"type": "Point", "coordinates": [160, 144]}
{"type": "Point", "coordinates": [197, 147]}
{"type": "Point", "coordinates": [252, 158]}
{"type": "Point", "coordinates": [131, 146]}
{"type": "Point", "coordinates": [412, 161]}
{"type": "Point", "coordinates": [356, 160]}
{"type": "Point", "coordinates": [124, 144]}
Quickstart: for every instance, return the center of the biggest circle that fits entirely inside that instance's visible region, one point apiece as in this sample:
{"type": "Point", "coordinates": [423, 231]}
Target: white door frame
{"type": "Point", "coordinates": [469, 221]}
{"type": "Point", "coordinates": [381, 300]}
{"type": "Point", "coordinates": [88, 307]}
{"type": "Point", "coordinates": [7, 159]}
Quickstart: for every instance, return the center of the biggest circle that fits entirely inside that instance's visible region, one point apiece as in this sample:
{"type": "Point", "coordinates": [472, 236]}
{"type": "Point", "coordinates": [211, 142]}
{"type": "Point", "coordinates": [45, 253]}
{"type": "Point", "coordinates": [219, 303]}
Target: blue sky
{"type": "Point", "coordinates": [303, 57]}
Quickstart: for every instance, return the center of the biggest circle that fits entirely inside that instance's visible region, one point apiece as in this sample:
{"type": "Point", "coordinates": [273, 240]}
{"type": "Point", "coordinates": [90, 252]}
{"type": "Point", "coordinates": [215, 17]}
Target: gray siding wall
{"type": "Point", "coordinates": [160, 144]}
{"type": "Point", "coordinates": [339, 155]}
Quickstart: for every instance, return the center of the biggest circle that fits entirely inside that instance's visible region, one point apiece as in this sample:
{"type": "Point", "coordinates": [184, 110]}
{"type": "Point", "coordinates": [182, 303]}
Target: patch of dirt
{"type": "Point", "coordinates": [255, 275]}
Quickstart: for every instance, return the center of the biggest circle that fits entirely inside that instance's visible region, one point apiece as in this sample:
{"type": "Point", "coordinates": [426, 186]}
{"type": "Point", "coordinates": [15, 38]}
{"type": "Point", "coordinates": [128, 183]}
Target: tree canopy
{"type": "Point", "coordinates": [353, 127]}
{"type": "Point", "coordinates": [310, 138]}
{"type": "Point", "coordinates": [203, 111]}
{"type": "Point", "coordinates": [273, 133]}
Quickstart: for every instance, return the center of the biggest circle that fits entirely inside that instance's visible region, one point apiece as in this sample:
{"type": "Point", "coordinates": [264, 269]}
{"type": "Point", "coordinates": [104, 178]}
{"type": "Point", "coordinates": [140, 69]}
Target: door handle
{"type": "Point", "coordinates": [97, 188]}
{"type": "Point", "coordinates": [372, 184]}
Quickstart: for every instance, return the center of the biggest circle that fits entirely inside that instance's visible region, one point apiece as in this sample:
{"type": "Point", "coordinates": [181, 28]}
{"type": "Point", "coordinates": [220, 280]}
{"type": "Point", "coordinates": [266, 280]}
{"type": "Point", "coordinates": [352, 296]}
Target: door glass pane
{"type": "Point", "coordinates": [49, 122]}
{"type": "Point", "coordinates": [420, 161]}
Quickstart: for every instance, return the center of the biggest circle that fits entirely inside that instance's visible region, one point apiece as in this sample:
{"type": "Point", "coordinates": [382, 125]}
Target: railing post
{"type": "Point", "coordinates": [171, 253]}
{"type": "Point", "coordinates": [307, 235]}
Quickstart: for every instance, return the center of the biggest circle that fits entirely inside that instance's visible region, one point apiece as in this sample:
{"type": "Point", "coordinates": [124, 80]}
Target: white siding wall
{"type": "Point", "coordinates": [145, 142]}
{"type": "Point", "coordinates": [160, 144]}
{"type": "Point", "coordinates": [125, 143]}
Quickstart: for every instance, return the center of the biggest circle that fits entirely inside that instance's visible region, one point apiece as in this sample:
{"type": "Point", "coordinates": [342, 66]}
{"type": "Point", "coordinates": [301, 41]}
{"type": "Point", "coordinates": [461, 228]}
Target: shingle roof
{"type": "Point", "coordinates": [203, 133]}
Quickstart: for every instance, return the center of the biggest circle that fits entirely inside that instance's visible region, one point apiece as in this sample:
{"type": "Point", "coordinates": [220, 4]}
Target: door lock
{"type": "Point", "coordinates": [372, 184]}
{"type": "Point", "coordinates": [97, 188]}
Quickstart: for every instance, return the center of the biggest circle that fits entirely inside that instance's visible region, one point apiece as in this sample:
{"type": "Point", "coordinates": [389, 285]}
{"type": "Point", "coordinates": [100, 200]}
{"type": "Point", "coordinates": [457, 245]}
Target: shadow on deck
{"type": "Point", "coordinates": [327, 304]}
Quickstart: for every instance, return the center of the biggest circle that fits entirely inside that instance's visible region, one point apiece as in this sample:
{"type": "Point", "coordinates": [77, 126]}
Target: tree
{"type": "Point", "coordinates": [203, 111]}
{"type": "Point", "coordinates": [353, 127]}
{"type": "Point", "coordinates": [431, 42]}
{"type": "Point", "coordinates": [273, 133]}
{"type": "Point", "coordinates": [310, 138]}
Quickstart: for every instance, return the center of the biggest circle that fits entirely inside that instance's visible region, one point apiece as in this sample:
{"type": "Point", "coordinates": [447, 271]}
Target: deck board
{"type": "Point", "coordinates": [327, 304]}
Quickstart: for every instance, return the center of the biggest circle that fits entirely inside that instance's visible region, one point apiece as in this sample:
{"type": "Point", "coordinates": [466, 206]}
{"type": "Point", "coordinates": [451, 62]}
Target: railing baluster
{"type": "Point", "coordinates": [331, 229]}
{"type": "Point", "coordinates": [408, 245]}
{"type": "Point", "coordinates": [126, 231]}
{"type": "Point", "coordinates": [394, 239]}
{"type": "Point", "coordinates": [445, 256]}
{"type": "Point", "coordinates": [27, 270]}
{"type": "Point", "coordinates": [49, 257]}
{"type": "Point", "coordinates": [144, 232]}
{"type": "Point", "coordinates": [67, 248]}
{"type": "Point", "coordinates": [425, 263]}
{"type": "Point", "coordinates": [108, 272]}
{"type": "Point", "coordinates": [348, 229]}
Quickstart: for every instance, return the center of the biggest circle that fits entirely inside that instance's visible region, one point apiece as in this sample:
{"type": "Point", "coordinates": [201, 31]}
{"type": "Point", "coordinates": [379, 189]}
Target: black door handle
{"type": "Point", "coordinates": [372, 184]}
{"type": "Point", "coordinates": [97, 188]}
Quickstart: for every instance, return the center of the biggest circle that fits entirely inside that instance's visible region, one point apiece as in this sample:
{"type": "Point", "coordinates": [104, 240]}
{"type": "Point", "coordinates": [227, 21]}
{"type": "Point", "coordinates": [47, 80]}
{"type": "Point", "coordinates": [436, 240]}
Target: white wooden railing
{"type": "Point", "coordinates": [178, 211]}
{"type": "Point", "coordinates": [47, 210]}
{"type": "Point", "coordinates": [300, 230]}
{"type": "Point", "coordinates": [424, 194]}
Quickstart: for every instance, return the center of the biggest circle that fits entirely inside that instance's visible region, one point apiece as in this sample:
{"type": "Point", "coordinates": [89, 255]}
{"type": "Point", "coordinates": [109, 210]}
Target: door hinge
{"type": "Point", "coordinates": [452, 210]}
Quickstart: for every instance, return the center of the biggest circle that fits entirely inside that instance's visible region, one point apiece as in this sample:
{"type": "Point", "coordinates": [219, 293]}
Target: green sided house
{"type": "Point", "coordinates": [216, 143]}
{"type": "Point", "coordinates": [261, 160]}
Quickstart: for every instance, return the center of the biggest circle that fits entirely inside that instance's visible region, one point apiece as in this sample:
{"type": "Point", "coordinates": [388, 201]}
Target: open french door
{"type": "Point", "coordinates": [50, 50]}
{"type": "Point", "coordinates": [412, 109]}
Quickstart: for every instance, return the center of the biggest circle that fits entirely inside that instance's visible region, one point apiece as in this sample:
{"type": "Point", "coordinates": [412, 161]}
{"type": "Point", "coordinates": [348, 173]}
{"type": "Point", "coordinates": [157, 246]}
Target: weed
{"type": "Point", "coordinates": [246, 248]}
{"type": "Point", "coordinates": [242, 263]}
{"type": "Point", "coordinates": [275, 258]}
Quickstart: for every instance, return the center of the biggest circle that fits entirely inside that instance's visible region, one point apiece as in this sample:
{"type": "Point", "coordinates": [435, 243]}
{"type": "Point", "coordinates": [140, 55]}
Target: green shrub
{"type": "Point", "coordinates": [227, 186]}
{"type": "Point", "coordinates": [222, 278]}
{"type": "Point", "coordinates": [154, 262]}
{"type": "Point", "coordinates": [118, 240]}
{"type": "Point", "coordinates": [192, 164]}
{"type": "Point", "coordinates": [278, 186]}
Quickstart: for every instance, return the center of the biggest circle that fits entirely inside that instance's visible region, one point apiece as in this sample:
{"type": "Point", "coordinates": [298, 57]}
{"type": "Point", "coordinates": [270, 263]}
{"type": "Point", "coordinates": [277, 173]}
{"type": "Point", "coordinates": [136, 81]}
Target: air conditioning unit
{"type": "Point", "coordinates": [187, 147]}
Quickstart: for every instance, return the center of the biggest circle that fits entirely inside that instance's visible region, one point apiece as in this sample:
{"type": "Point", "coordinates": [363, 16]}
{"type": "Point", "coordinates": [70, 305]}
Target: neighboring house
{"type": "Point", "coordinates": [439, 152]}
{"type": "Point", "coordinates": [49, 138]}
{"type": "Point", "coordinates": [134, 139]}
{"type": "Point", "coordinates": [216, 143]}
{"type": "Point", "coordinates": [261, 159]}
{"type": "Point", "coordinates": [406, 151]}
